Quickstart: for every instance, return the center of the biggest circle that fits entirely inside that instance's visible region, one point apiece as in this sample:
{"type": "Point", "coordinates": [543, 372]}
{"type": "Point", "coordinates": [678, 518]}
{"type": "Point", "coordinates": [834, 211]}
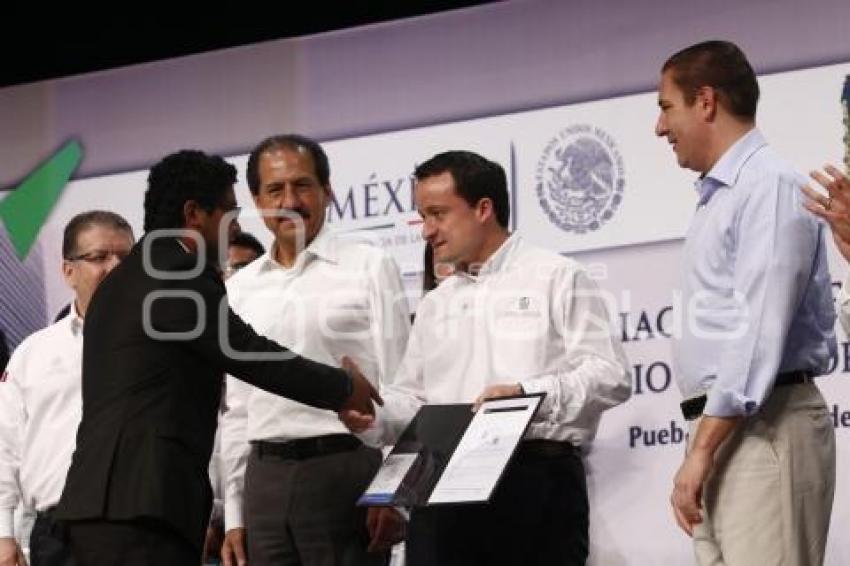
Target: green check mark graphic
{"type": "Point", "coordinates": [25, 210]}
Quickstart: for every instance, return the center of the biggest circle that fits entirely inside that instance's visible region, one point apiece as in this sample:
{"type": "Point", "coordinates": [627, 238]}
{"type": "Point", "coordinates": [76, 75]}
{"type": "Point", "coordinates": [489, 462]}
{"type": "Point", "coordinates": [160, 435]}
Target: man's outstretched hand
{"type": "Point", "coordinates": [358, 412]}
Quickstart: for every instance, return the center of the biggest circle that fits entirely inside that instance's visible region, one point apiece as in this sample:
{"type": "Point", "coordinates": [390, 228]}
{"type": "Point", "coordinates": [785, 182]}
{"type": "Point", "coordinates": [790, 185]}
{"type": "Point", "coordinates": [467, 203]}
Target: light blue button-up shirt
{"type": "Point", "coordinates": [756, 295]}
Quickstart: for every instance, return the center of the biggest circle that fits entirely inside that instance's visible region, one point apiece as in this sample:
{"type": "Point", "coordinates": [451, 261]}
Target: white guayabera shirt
{"type": "Point", "coordinates": [342, 297]}
{"type": "Point", "coordinates": [530, 317]}
{"type": "Point", "coordinates": [40, 410]}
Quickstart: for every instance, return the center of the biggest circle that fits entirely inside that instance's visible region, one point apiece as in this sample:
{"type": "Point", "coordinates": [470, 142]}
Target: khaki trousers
{"type": "Point", "coordinates": [769, 497]}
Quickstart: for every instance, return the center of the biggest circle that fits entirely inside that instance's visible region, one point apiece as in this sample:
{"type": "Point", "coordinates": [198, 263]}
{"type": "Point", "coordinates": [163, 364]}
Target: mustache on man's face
{"type": "Point", "coordinates": [302, 213]}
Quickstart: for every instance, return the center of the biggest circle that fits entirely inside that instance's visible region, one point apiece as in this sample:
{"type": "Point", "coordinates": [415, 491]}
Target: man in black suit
{"type": "Point", "coordinates": [158, 337]}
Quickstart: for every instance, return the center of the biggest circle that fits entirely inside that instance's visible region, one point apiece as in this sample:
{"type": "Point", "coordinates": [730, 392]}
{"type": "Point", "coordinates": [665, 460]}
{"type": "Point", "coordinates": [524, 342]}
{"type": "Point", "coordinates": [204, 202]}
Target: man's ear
{"type": "Point", "coordinates": [68, 268]}
{"type": "Point", "coordinates": [191, 214]}
{"type": "Point", "coordinates": [708, 102]}
{"type": "Point", "coordinates": [484, 209]}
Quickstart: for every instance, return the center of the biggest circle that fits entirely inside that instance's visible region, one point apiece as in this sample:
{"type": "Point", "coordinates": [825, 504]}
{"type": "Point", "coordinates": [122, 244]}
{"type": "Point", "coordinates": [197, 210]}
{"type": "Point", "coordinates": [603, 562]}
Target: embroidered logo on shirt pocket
{"type": "Point", "coordinates": [522, 306]}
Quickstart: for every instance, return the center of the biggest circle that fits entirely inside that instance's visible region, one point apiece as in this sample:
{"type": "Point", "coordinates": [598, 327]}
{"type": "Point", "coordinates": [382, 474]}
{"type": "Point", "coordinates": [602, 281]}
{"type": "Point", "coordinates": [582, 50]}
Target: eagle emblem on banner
{"type": "Point", "coordinates": [580, 179]}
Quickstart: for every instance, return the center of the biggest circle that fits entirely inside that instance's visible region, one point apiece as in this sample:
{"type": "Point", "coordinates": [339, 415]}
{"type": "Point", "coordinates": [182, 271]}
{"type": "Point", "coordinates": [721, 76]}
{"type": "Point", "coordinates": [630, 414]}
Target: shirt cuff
{"type": "Point", "coordinates": [217, 511]}
{"type": "Point", "coordinates": [371, 437]}
{"type": "Point", "coordinates": [728, 403]}
{"type": "Point", "coordinates": [7, 522]}
{"type": "Point", "coordinates": [232, 515]}
{"type": "Point", "coordinates": [540, 384]}
{"type": "Point", "coordinates": [375, 434]}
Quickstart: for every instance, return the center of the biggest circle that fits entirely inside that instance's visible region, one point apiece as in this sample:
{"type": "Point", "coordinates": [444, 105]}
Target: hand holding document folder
{"type": "Point", "coordinates": [447, 454]}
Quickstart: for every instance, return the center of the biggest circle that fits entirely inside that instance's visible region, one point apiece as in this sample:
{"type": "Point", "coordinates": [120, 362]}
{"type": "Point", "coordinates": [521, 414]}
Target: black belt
{"type": "Point", "coordinates": [693, 408]}
{"type": "Point", "coordinates": [304, 448]}
{"type": "Point", "coordinates": [47, 513]}
{"type": "Point", "coordinates": [543, 447]}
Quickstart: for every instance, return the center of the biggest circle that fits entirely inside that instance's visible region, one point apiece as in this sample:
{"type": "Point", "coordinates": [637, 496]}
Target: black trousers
{"type": "Point", "coordinates": [302, 512]}
{"type": "Point", "coordinates": [140, 542]}
{"type": "Point", "coordinates": [49, 545]}
{"type": "Point", "coordinates": [538, 515]}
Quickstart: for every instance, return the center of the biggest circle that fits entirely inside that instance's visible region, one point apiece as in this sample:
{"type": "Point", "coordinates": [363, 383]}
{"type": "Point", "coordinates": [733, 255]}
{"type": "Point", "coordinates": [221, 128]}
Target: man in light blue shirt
{"type": "Point", "coordinates": [757, 484]}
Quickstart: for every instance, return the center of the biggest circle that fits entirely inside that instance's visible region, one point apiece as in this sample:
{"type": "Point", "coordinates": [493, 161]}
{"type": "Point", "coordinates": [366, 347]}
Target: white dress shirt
{"type": "Point", "coordinates": [341, 297]}
{"type": "Point", "coordinates": [530, 317]}
{"type": "Point", "coordinates": [40, 409]}
{"type": "Point", "coordinates": [756, 287]}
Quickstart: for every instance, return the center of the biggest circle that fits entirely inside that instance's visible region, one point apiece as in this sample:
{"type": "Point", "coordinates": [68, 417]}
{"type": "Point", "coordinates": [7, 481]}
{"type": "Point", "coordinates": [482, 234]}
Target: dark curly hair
{"type": "Point", "coordinates": [180, 177]}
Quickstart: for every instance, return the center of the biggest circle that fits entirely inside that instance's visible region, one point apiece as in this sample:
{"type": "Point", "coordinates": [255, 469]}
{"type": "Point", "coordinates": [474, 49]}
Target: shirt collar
{"type": "Point", "coordinates": [322, 247]}
{"type": "Point", "coordinates": [498, 260]}
{"type": "Point", "coordinates": [727, 169]}
{"type": "Point", "coordinates": [75, 321]}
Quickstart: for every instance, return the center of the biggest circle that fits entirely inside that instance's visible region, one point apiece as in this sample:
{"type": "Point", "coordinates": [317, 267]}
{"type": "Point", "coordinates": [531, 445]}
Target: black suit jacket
{"type": "Point", "coordinates": [150, 403]}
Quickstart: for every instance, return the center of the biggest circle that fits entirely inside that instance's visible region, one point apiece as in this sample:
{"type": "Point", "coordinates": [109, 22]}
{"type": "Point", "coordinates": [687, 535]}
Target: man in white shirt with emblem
{"type": "Point", "coordinates": [511, 319]}
{"type": "Point", "coordinates": [293, 472]}
{"type": "Point", "coordinates": [40, 398]}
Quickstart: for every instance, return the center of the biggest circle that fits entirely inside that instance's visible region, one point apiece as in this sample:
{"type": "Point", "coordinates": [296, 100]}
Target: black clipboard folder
{"type": "Point", "coordinates": [430, 441]}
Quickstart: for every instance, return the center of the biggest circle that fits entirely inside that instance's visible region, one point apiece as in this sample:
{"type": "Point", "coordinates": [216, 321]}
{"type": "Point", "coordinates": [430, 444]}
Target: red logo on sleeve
{"type": "Point", "coordinates": [4, 376]}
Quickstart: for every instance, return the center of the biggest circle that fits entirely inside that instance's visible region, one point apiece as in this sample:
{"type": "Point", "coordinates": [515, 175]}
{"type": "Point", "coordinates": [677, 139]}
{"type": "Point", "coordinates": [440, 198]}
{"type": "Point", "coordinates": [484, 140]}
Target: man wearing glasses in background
{"type": "Point", "coordinates": [243, 249]}
{"type": "Point", "coordinates": [40, 398]}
